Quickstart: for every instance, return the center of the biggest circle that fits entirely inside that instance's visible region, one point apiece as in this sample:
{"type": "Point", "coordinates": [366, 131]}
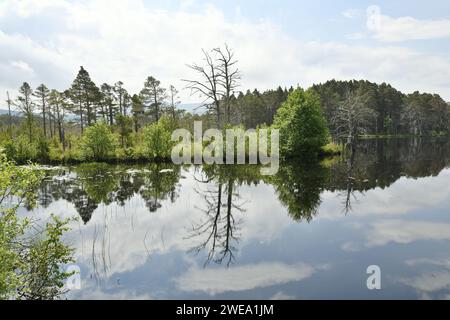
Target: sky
{"type": "Point", "coordinates": [290, 42]}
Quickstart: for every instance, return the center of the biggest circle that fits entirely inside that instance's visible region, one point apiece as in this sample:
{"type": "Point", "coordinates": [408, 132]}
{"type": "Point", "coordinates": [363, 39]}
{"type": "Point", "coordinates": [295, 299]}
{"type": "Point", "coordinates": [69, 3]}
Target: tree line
{"type": "Point", "coordinates": [364, 107]}
{"type": "Point", "coordinates": [56, 119]}
{"type": "Point", "coordinates": [88, 103]}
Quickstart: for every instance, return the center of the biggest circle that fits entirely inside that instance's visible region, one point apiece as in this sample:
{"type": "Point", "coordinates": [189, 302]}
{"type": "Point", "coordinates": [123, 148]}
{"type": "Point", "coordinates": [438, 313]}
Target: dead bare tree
{"type": "Point", "coordinates": [351, 116]}
{"type": "Point", "coordinates": [228, 77]}
{"type": "Point", "coordinates": [218, 78]}
{"type": "Point", "coordinates": [173, 101]}
{"type": "Point", "coordinates": [209, 85]}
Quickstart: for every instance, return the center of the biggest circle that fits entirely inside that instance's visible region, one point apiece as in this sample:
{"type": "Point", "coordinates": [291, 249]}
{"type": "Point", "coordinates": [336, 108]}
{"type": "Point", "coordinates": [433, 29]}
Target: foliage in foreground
{"type": "Point", "coordinates": [30, 256]}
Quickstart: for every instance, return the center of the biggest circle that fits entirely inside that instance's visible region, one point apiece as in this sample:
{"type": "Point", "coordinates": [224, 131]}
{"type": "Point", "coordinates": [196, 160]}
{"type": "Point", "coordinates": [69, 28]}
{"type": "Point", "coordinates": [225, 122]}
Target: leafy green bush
{"type": "Point", "coordinates": [303, 129]}
{"type": "Point", "coordinates": [98, 142]}
{"type": "Point", "coordinates": [43, 149]}
{"type": "Point", "coordinates": [124, 126]}
{"type": "Point", "coordinates": [157, 142]}
{"type": "Point", "coordinates": [30, 266]}
{"type": "Point", "coordinates": [331, 149]}
{"type": "Point", "coordinates": [125, 154]}
{"type": "Point", "coordinates": [20, 149]}
{"type": "Point", "coordinates": [56, 152]}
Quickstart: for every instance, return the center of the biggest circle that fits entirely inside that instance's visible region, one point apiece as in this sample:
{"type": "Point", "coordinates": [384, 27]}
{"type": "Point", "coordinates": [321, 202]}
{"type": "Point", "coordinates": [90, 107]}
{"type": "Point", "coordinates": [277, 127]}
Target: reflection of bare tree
{"type": "Point", "coordinates": [349, 193]}
{"type": "Point", "coordinates": [218, 231]}
{"type": "Point", "coordinates": [350, 181]}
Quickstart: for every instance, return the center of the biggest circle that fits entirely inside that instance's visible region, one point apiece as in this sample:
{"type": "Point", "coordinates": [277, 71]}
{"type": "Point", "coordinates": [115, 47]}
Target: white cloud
{"type": "Point", "coordinates": [27, 8]}
{"type": "Point", "coordinates": [282, 296]}
{"type": "Point", "coordinates": [117, 40]}
{"type": "Point", "coordinates": [355, 36]}
{"type": "Point", "coordinates": [91, 292]}
{"type": "Point", "coordinates": [22, 66]}
{"type": "Point", "coordinates": [404, 231]}
{"type": "Point", "coordinates": [247, 277]}
{"type": "Point", "coordinates": [386, 28]}
{"type": "Point", "coordinates": [351, 246]}
{"type": "Point", "coordinates": [351, 13]}
{"type": "Point", "coordinates": [429, 282]}
{"type": "Point", "coordinates": [436, 262]}
{"type": "Point", "coordinates": [187, 4]}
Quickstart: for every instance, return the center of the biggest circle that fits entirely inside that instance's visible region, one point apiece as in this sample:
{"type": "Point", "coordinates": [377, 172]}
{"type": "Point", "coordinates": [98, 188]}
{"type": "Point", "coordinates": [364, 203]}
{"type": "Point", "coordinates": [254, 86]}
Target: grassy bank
{"type": "Point", "coordinates": [56, 156]}
{"type": "Point", "coordinates": [399, 136]}
{"type": "Point", "coordinates": [332, 149]}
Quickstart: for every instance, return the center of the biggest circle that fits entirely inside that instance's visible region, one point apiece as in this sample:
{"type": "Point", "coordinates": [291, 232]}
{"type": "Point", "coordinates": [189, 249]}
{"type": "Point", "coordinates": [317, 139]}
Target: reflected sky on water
{"type": "Point", "coordinates": [159, 231]}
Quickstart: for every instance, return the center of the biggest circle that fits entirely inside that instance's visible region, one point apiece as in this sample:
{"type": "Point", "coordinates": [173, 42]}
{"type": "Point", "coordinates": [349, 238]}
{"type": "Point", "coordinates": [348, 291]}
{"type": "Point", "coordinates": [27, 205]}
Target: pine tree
{"type": "Point", "coordinates": [173, 101]}
{"type": "Point", "coordinates": [86, 96]}
{"type": "Point", "coordinates": [57, 101]}
{"type": "Point", "coordinates": [153, 97]}
{"type": "Point", "coordinates": [107, 103]}
{"type": "Point", "coordinates": [137, 110]}
{"type": "Point", "coordinates": [121, 97]}
{"type": "Point", "coordinates": [26, 105]}
{"type": "Point", "coordinates": [42, 94]}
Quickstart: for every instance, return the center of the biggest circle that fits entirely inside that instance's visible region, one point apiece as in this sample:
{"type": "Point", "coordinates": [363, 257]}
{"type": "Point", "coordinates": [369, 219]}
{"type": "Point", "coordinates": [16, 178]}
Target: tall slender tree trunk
{"type": "Point", "coordinates": [58, 123]}
{"type": "Point", "coordinates": [30, 128]}
{"type": "Point", "coordinates": [89, 114]}
{"type": "Point", "coordinates": [81, 117]}
{"type": "Point", "coordinates": [228, 111]}
{"type": "Point", "coordinates": [9, 114]}
{"type": "Point", "coordinates": [156, 106]}
{"type": "Point", "coordinates": [103, 112]}
{"type": "Point", "coordinates": [111, 120]}
{"type": "Point", "coordinates": [136, 125]}
{"type": "Point", "coordinates": [60, 132]}
{"type": "Point", "coordinates": [122, 138]}
{"type": "Point", "coordinates": [120, 103]}
{"type": "Point", "coordinates": [43, 117]}
{"type": "Point", "coordinates": [173, 107]}
{"type": "Point", "coordinates": [218, 114]}
{"type": "Point", "coordinates": [51, 122]}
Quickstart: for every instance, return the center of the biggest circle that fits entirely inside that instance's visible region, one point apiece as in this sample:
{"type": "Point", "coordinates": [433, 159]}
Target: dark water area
{"type": "Point", "coordinates": [160, 231]}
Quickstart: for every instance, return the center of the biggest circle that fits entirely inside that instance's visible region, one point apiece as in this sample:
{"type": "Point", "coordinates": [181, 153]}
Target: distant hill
{"type": "Point", "coordinates": [13, 113]}
{"type": "Point", "coordinates": [191, 108]}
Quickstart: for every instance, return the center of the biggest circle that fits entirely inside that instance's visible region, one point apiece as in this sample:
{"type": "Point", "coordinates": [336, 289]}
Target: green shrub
{"type": "Point", "coordinates": [331, 149]}
{"type": "Point", "coordinates": [20, 149]}
{"type": "Point", "coordinates": [125, 154]}
{"type": "Point", "coordinates": [98, 142]}
{"type": "Point", "coordinates": [157, 142]}
{"type": "Point", "coordinates": [303, 129]}
{"type": "Point", "coordinates": [43, 149]}
{"type": "Point", "coordinates": [30, 265]}
{"type": "Point", "coordinates": [124, 126]}
{"type": "Point", "coordinates": [56, 152]}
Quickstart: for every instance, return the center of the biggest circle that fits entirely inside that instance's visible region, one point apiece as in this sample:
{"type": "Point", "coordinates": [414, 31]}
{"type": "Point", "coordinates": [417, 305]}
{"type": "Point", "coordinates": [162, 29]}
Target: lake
{"type": "Point", "coordinates": [160, 231]}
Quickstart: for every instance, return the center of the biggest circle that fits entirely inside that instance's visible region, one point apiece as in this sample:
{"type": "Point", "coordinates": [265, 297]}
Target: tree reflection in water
{"type": "Point", "coordinates": [88, 185]}
{"type": "Point", "coordinates": [218, 231]}
{"type": "Point", "coordinates": [298, 186]}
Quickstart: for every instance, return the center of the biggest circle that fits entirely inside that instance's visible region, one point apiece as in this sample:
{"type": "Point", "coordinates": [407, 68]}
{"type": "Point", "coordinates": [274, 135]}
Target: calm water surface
{"type": "Point", "coordinates": [311, 231]}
